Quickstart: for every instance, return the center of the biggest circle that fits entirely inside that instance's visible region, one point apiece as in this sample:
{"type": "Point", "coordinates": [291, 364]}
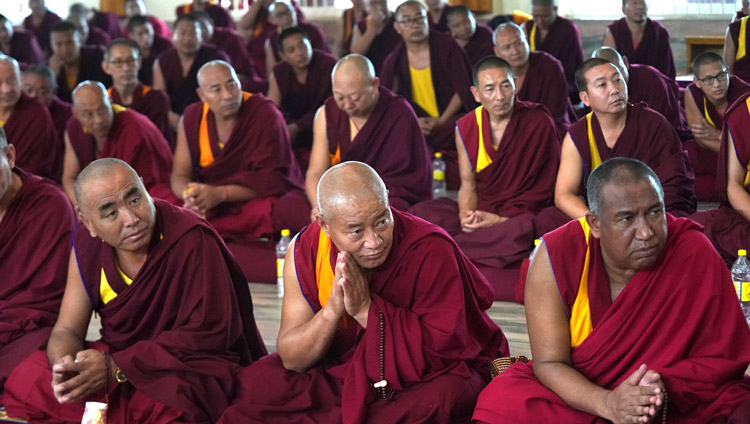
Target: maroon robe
{"type": "Point", "coordinates": [25, 48]}
{"type": "Point", "coordinates": [654, 48]}
{"type": "Point", "coordinates": [98, 37]}
{"type": "Point", "coordinates": [545, 84]}
{"type": "Point", "coordinates": [256, 45]}
{"type": "Point", "coordinates": [742, 66]}
{"type": "Point", "coordinates": [181, 89]}
{"type": "Point", "coordinates": [647, 84]}
{"type": "Point", "coordinates": [702, 368]}
{"type": "Point", "coordinates": [382, 44]}
{"type": "Point", "coordinates": [451, 74]}
{"type": "Point", "coordinates": [348, 22]}
{"type": "Point", "coordinates": [442, 24]}
{"type": "Point", "coordinates": [563, 42]}
{"type": "Point", "coordinates": [516, 185]}
{"type": "Point", "coordinates": [436, 349]}
{"type": "Point", "coordinates": [31, 130]}
{"type": "Point", "coordinates": [108, 22]}
{"type": "Point", "coordinates": [35, 247]}
{"type": "Point", "coordinates": [153, 104]}
{"type": "Point", "coordinates": [133, 139]}
{"type": "Point", "coordinates": [233, 45]}
{"type": "Point", "coordinates": [146, 73]}
{"type": "Point", "coordinates": [315, 35]}
{"type": "Point", "coordinates": [179, 332]}
{"type": "Point", "coordinates": [218, 14]}
{"type": "Point", "coordinates": [480, 45]}
{"type": "Point", "coordinates": [160, 27]}
{"type": "Point", "coordinates": [89, 68]}
{"type": "Point", "coordinates": [43, 30]}
{"type": "Point", "coordinates": [61, 112]}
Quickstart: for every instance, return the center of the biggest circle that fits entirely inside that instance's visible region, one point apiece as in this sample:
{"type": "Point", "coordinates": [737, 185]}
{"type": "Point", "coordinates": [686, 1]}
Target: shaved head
{"type": "Point", "coordinates": [92, 108]}
{"type": "Point", "coordinates": [612, 56]}
{"type": "Point", "coordinates": [90, 88]}
{"type": "Point", "coordinates": [10, 82]}
{"type": "Point", "coordinates": [348, 184]}
{"type": "Point", "coordinates": [355, 86]}
{"type": "Point", "coordinates": [507, 28]}
{"type": "Point", "coordinates": [96, 171]}
{"type": "Point", "coordinates": [409, 3]}
{"type": "Point", "coordinates": [215, 64]}
{"type": "Point", "coordinates": [10, 62]}
{"type": "Point", "coordinates": [355, 63]}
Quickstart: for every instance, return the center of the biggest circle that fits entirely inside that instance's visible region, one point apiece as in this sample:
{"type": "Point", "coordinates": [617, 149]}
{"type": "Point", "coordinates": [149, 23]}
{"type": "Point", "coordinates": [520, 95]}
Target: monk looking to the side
{"type": "Point", "coordinates": [105, 130]}
{"type": "Point", "coordinates": [89, 35]}
{"type": "Point", "coordinates": [36, 221]}
{"type": "Point", "coordinates": [40, 82]}
{"type": "Point", "coordinates": [368, 123]}
{"type": "Point", "coordinates": [502, 185]}
{"type": "Point", "coordinates": [284, 15]}
{"type": "Point", "coordinates": [176, 314]}
{"type": "Point", "coordinates": [475, 39]}
{"type": "Point", "coordinates": [392, 303]}
{"type": "Point", "coordinates": [138, 8]}
{"type": "Point", "coordinates": [19, 44]}
{"type": "Point", "coordinates": [108, 22]}
{"type": "Point", "coordinates": [374, 36]}
{"type": "Point", "coordinates": [632, 318]}
{"type": "Point", "coordinates": [150, 44]}
{"type": "Point", "coordinates": [72, 62]}
{"type": "Point", "coordinates": [233, 160]}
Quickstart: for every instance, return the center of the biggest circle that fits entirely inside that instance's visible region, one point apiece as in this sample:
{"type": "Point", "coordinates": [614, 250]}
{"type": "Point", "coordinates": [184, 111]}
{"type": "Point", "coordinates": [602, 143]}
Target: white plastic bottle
{"type": "Point", "coordinates": [438, 176]}
{"type": "Point", "coordinates": [281, 248]}
{"type": "Point", "coordinates": [741, 279]}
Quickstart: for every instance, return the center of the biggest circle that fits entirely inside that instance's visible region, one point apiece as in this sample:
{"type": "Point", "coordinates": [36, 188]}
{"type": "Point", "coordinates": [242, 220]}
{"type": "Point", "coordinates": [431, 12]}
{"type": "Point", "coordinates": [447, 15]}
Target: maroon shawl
{"type": "Point", "coordinates": [25, 48]}
{"type": "Point", "coordinates": [218, 14]}
{"type": "Point", "coordinates": [654, 48]}
{"type": "Point", "coordinates": [35, 247]}
{"type": "Point", "coordinates": [256, 46]}
{"type": "Point", "coordinates": [648, 137]}
{"type": "Point", "coordinates": [61, 113]}
{"type": "Point", "coordinates": [545, 84]}
{"type": "Point", "coordinates": [347, 29]}
{"type": "Point", "coordinates": [90, 68]}
{"type": "Point", "coordinates": [660, 93]}
{"type": "Point", "coordinates": [146, 73]}
{"type": "Point", "coordinates": [31, 130]}
{"type": "Point", "coordinates": [233, 45]}
{"type": "Point", "coordinates": [160, 27]}
{"type": "Point", "coordinates": [108, 22]}
{"type": "Point", "coordinates": [563, 41]}
{"type": "Point", "coordinates": [98, 37]}
{"type": "Point", "coordinates": [480, 45]}
{"type": "Point", "coordinates": [181, 89]}
{"type": "Point", "coordinates": [737, 88]}
{"type": "Point", "coordinates": [133, 139]}
{"type": "Point", "coordinates": [382, 44]}
{"type": "Point", "coordinates": [181, 329]}
{"type": "Point", "coordinates": [153, 104]}
{"type": "Point", "coordinates": [317, 39]}
{"type": "Point", "coordinates": [42, 31]}
{"type": "Point", "coordinates": [441, 25]}
{"type": "Point", "coordinates": [742, 66]}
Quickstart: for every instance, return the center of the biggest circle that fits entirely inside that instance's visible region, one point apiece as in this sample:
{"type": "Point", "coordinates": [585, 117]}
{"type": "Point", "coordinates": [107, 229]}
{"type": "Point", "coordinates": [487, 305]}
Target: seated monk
{"type": "Point", "coordinates": [632, 318]}
{"type": "Point", "coordinates": [89, 35]}
{"type": "Point", "coordinates": [283, 15]}
{"type": "Point", "coordinates": [437, 15]}
{"type": "Point", "coordinates": [176, 314]}
{"type": "Point", "coordinates": [430, 70]}
{"type": "Point", "coordinates": [28, 125]}
{"type": "Point", "coordinates": [707, 99]}
{"type": "Point", "coordinates": [560, 37]}
{"type": "Point", "coordinates": [40, 23]}
{"type": "Point", "coordinates": [299, 85]}
{"type": "Point", "coordinates": [105, 130]}
{"type": "Point", "coordinates": [615, 128]}
{"type": "Point", "coordinates": [375, 35]}
{"type": "Point", "coordinates": [540, 78]}
{"type": "Point", "coordinates": [367, 123]}
{"type": "Point", "coordinates": [108, 22]}
{"type": "Point", "coordinates": [232, 161]}
{"type": "Point", "coordinates": [138, 8]}
{"type": "Point", "coordinates": [388, 283]}
{"type": "Point", "coordinates": [176, 70]}
{"type": "Point", "coordinates": [641, 39]}
{"type": "Point", "coordinates": [72, 62]}
{"type": "Point", "coordinates": [475, 39]}
{"type": "Point", "coordinates": [735, 52]}
{"type": "Point", "coordinates": [502, 184]}
{"type": "Point", "coordinates": [349, 19]}
{"type": "Point", "coordinates": [122, 60]}
{"type": "Point", "coordinates": [256, 28]}
{"type": "Point", "coordinates": [19, 44]}
{"type": "Point", "coordinates": [151, 45]}
{"type": "Point", "coordinates": [36, 221]}
{"type": "Point", "coordinates": [40, 82]}
{"type": "Point", "coordinates": [218, 14]}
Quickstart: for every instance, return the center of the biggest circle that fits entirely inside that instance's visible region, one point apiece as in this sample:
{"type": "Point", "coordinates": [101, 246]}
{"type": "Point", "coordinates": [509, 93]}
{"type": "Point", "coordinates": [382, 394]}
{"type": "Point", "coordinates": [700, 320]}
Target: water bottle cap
{"type": "Point", "coordinates": [438, 155]}
{"type": "Point", "coordinates": [742, 252]}
{"type": "Point", "coordinates": [285, 232]}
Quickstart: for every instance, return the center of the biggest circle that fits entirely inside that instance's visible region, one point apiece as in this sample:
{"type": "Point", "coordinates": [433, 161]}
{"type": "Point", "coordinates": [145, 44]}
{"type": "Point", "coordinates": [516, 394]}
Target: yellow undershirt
{"type": "Point", "coordinates": [105, 290]}
{"type": "Point", "coordinates": [423, 91]}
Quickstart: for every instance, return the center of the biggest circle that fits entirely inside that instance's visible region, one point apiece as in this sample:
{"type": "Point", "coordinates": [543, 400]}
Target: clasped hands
{"type": "Point", "coordinates": [474, 220]}
{"type": "Point", "coordinates": [350, 293]}
{"type": "Point", "coordinates": [638, 399]}
{"type": "Point", "coordinates": [76, 379]}
{"type": "Point", "coordinates": [200, 198]}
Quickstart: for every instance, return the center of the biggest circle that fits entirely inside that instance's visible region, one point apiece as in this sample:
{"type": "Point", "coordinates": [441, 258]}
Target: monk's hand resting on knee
{"type": "Point", "coordinates": [356, 288]}
{"type": "Point", "coordinates": [629, 402]}
{"type": "Point", "coordinates": [480, 219]}
{"type": "Point", "coordinates": [89, 375]}
{"type": "Point", "coordinates": [204, 197]}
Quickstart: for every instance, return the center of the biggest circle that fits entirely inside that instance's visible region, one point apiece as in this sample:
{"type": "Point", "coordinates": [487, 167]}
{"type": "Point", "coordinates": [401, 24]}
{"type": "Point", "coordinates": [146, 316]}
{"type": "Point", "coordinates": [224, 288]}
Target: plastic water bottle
{"type": "Point", "coordinates": [438, 176]}
{"type": "Point", "coordinates": [281, 248]}
{"type": "Point", "coordinates": [741, 279]}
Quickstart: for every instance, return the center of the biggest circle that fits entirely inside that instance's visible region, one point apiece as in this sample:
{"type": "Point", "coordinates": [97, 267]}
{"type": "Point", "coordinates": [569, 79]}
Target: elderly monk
{"type": "Point", "coordinates": [40, 23]}
{"type": "Point", "coordinates": [283, 15]}
{"type": "Point", "coordinates": [437, 13]}
{"type": "Point", "coordinates": [373, 332]}
{"type": "Point", "coordinates": [375, 35]}
{"type": "Point", "coordinates": [36, 221]}
{"type": "Point", "coordinates": [606, 349]}
{"type": "Point", "coordinates": [19, 44]}
{"type": "Point", "coordinates": [502, 184]}
{"type": "Point", "coordinates": [540, 78]}
{"type": "Point", "coordinates": [105, 130]}
{"type": "Point", "coordinates": [28, 125]}
{"type": "Point", "coordinates": [641, 39]}
{"type": "Point", "coordinates": [299, 85]}
{"type": "Point", "coordinates": [707, 99]}
{"type": "Point", "coordinates": [122, 60]}
{"type": "Point", "coordinates": [431, 70]}
{"type": "Point", "coordinates": [614, 128]}
{"type": "Point", "coordinates": [73, 62]}
{"type": "Point", "coordinates": [368, 123]}
{"type": "Point", "coordinates": [138, 8]}
{"type": "Point", "coordinates": [89, 35]}
{"type": "Point", "coordinates": [557, 36]}
{"type": "Point", "coordinates": [39, 82]}
{"type": "Point", "coordinates": [151, 45]}
{"type": "Point", "coordinates": [108, 22]}
{"type": "Point", "coordinates": [475, 39]}
{"type": "Point", "coordinates": [233, 161]}
{"type": "Point", "coordinates": [735, 50]}
{"type": "Point", "coordinates": [176, 70]}
{"type": "Point", "coordinates": [218, 14]}
{"type": "Point", "coordinates": [176, 314]}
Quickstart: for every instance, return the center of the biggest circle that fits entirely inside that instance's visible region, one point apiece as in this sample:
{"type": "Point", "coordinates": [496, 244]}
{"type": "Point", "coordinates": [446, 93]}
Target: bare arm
{"type": "Point", "coordinates": [274, 93]}
{"type": "Point", "coordinates": [704, 133]}
{"type": "Point", "coordinates": [467, 193]}
{"type": "Point", "coordinates": [730, 51]}
{"type": "Point", "coordinates": [608, 40]}
{"type": "Point", "coordinates": [270, 58]}
{"type": "Point", "coordinates": [453, 107]}
{"type": "Point", "coordinates": [569, 177]}
{"type": "Point", "coordinates": [71, 168]}
{"type": "Point", "coordinates": [361, 42]}
{"type": "Point", "coordinates": [736, 192]}
{"type": "Point", "coordinates": [246, 24]}
{"type": "Point", "coordinates": [320, 160]}
{"type": "Point", "coordinates": [182, 166]}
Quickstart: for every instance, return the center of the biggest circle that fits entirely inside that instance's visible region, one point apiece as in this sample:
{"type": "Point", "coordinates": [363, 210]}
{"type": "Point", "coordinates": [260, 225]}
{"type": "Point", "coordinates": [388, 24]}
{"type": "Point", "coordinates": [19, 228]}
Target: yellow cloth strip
{"type": "Point", "coordinates": [596, 160]}
{"type": "Point", "coordinates": [747, 174]}
{"type": "Point", "coordinates": [423, 90]}
{"type": "Point", "coordinates": [105, 290]}
{"type": "Point", "coordinates": [741, 49]}
{"type": "Point", "coordinates": [323, 271]}
{"type": "Point", "coordinates": [204, 143]}
{"type": "Point", "coordinates": [580, 314]}
{"type": "Point", "coordinates": [483, 159]}
{"type": "Point", "coordinates": [705, 112]}
{"type": "Point", "coordinates": [532, 36]}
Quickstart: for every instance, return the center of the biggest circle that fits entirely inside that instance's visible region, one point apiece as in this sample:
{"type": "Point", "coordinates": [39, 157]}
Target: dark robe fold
{"type": "Point", "coordinates": [742, 62]}
{"type": "Point", "coordinates": [160, 45]}
{"type": "Point", "coordinates": [35, 246]}
{"type": "Point", "coordinates": [133, 139]}
{"type": "Point", "coordinates": [42, 31]}
{"type": "Point", "coordinates": [153, 104]}
{"type": "Point", "coordinates": [348, 22]}
{"type": "Point", "coordinates": [563, 42]}
{"type": "Point", "coordinates": [98, 37]}
{"type": "Point", "coordinates": [545, 84]}
{"type": "Point", "coordinates": [89, 68]}
{"type": "Point", "coordinates": [314, 33]}
{"type": "Point", "coordinates": [436, 350]}
{"type": "Point", "coordinates": [515, 185]}
{"type": "Point", "coordinates": [31, 130]}
{"type": "Point", "coordinates": [160, 27]}
{"type": "Point", "coordinates": [231, 42]}
{"type": "Point", "coordinates": [25, 48]}
{"type": "Point", "coordinates": [61, 112]}
{"type": "Point", "coordinates": [218, 14]}
{"type": "Point", "coordinates": [442, 24]}
{"type": "Point", "coordinates": [480, 45]}
{"type": "Point", "coordinates": [382, 45]}
{"type": "Point", "coordinates": [108, 22]}
{"type": "Point", "coordinates": [660, 93]}
{"type": "Point", "coordinates": [179, 332]}
{"type": "Point", "coordinates": [179, 87]}
{"type": "Point", "coordinates": [702, 368]}
{"type": "Point", "coordinates": [654, 48]}
{"type": "Point", "coordinates": [256, 45]}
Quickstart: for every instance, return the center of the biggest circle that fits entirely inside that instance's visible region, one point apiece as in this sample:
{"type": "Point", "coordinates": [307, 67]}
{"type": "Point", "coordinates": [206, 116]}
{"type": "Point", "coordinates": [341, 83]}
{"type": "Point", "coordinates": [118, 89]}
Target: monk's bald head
{"type": "Point", "coordinates": [354, 65]}
{"type": "Point", "coordinates": [10, 82]}
{"type": "Point", "coordinates": [99, 170]}
{"type": "Point", "coordinates": [355, 86]}
{"type": "Point", "coordinates": [92, 108]}
{"type": "Point", "coordinates": [508, 28]}
{"type": "Point", "coordinates": [511, 45]}
{"type": "Point", "coordinates": [215, 66]}
{"type": "Point", "coordinates": [90, 90]}
{"type": "Point", "coordinates": [220, 89]}
{"type": "Point", "coordinates": [349, 184]}
{"type": "Point", "coordinates": [612, 56]}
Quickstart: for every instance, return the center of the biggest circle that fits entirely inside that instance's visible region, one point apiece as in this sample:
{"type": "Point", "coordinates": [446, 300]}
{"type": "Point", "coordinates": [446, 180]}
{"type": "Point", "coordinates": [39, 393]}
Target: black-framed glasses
{"type": "Point", "coordinates": [119, 63]}
{"type": "Point", "coordinates": [711, 79]}
{"type": "Point", "coordinates": [416, 20]}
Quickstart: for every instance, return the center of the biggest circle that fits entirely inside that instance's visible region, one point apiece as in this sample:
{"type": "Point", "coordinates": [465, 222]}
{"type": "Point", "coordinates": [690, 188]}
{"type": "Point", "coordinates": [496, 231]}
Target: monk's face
{"type": "Point", "coordinates": [122, 64]}
{"type": "Point", "coordinates": [39, 88]}
{"type": "Point", "coordinates": [37, 6]}
{"type": "Point", "coordinates": [66, 45]}
{"type": "Point", "coordinates": [411, 24]}
{"type": "Point", "coordinates": [496, 91]}
{"type": "Point", "coordinates": [511, 45]}
{"type": "Point", "coordinates": [635, 10]}
{"type": "Point", "coordinates": [631, 226]}
{"type": "Point", "coordinates": [282, 16]}
{"type": "Point", "coordinates": [6, 31]}
{"type": "Point", "coordinates": [7, 163]}
{"type": "Point", "coordinates": [544, 16]}
{"type": "Point", "coordinates": [606, 90]}
{"type": "Point", "coordinates": [297, 51]}
{"type": "Point", "coordinates": [354, 93]}
{"type": "Point", "coordinates": [378, 9]}
{"type": "Point", "coordinates": [134, 8]}
{"type": "Point", "coordinates": [221, 90]}
{"type": "Point", "coordinates": [92, 109]}
{"type": "Point", "coordinates": [713, 80]}
{"type": "Point", "coordinates": [462, 26]}
{"type": "Point", "coordinates": [10, 85]}
{"type": "Point", "coordinates": [143, 35]}
{"type": "Point", "coordinates": [117, 208]}
{"type": "Point", "coordinates": [187, 37]}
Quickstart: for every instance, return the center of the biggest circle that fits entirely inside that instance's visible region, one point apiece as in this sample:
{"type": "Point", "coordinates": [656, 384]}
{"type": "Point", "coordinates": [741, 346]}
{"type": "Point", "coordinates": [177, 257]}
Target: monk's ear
{"type": "Point", "coordinates": [594, 223]}
{"type": "Point", "coordinates": [105, 68]}
{"type": "Point", "coordinates": [10, 154]}
{"type": "Point", "coordinates": [375, 83]}
{"type": "Point", "coordinates": [584, 97]}
{"type": "Point", "coordinates": [85, 221]}
{"type": "Point", "coordinates": [320, 219]}
{"type": "Point", "coordinates": [475, 92]}
{"type": "Point", "coordinates": [200, 94]}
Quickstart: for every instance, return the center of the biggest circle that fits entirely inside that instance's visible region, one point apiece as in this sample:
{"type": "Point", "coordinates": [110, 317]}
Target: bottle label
{"type": "Point", "coordinates": [438, 175]}
{"type": "Point", "coordinates": [279, 268]}
{"type": "Point", "coordinates": [745, 292]}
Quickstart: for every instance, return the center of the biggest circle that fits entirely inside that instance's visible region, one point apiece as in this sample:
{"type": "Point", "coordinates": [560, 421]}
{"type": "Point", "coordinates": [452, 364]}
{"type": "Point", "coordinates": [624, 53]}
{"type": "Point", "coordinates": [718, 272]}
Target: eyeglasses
{"type": "Point", "coordinates": [417, 20]}
{"type": "Point", "coordinates": [119, 63]}
{"type": "Point", "coordinates": [709, 80]}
